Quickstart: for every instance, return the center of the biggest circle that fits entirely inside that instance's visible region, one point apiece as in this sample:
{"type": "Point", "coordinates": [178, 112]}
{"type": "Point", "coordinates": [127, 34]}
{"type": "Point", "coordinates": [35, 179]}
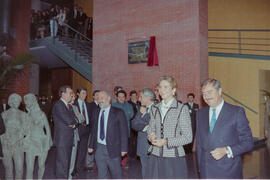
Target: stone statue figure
{"type": "Point", "coordinates": [37, 142]}
{"type": "Point", "coordinates": [12, 139]}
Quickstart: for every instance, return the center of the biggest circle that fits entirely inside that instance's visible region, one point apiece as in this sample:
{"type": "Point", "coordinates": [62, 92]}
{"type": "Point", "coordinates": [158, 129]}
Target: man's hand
{"type": "Point", "coordinates": [143, 109]}
{"type": "Point", "coordinates": [90, 150]}
{"type": "Point", "coordinates": [123, 154]}
{"type": "Point", "coordinates": [152, 136]}
{"type": "Point", "coordinates": [218, 153]}
{"type": "Point", "coordinates": [159, 142]}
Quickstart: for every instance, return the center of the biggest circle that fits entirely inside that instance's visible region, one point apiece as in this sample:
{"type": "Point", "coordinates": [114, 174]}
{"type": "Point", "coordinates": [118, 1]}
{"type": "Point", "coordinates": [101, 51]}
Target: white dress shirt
{"type": "Point", "coordinates": [106, 116]}
{"type": "Point", "coordinates": [82, 103]}
{"type": "Point", "coordinates": [165, 108]}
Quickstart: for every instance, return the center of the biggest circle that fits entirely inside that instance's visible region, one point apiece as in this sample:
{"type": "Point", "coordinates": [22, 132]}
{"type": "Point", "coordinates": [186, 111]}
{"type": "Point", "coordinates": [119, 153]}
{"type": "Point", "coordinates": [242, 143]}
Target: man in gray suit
{"type": "Point", "coordinates": [223, 135]}
{"type": "Point", "coordinates": [140, 124]}
{"type": "Point", "coordinates": [109, 139]}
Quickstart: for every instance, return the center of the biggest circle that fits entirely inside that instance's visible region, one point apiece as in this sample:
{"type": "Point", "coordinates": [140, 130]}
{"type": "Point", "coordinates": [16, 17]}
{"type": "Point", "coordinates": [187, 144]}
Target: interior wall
{"type": "Point", "coordinates": [180, 28]}
{"type": "Point", "coordinates": [87, 6]}
{"type": "Point", "coordinates": [238, 14]}
{"type": "Point", "coordinates": [80, 81]}
{"type": "Point", "coordinates": [240, 79]}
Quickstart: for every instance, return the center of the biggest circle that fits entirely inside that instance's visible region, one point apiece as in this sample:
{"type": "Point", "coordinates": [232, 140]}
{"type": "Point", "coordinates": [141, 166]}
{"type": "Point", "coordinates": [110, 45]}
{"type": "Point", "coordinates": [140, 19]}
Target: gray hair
{"type": "Point", "coordinates": [212, 81]}
{"type": "Point", "coordinates": [149, 92]}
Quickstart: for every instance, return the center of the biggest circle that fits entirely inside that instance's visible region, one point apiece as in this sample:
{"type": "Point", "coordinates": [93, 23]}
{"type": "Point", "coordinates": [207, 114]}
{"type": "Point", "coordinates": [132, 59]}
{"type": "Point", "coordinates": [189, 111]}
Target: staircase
{"type": "Point", "coordinates": [73, 51]}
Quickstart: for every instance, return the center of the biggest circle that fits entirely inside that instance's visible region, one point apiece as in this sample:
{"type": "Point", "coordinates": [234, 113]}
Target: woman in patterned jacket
{"type": "Point", "coordinates": [169, 129]}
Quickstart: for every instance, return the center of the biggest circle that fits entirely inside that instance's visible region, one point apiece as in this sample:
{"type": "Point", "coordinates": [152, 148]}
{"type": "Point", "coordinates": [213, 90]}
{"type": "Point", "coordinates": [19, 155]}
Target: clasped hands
{"type": "Point", "coordinates": [156, 142]}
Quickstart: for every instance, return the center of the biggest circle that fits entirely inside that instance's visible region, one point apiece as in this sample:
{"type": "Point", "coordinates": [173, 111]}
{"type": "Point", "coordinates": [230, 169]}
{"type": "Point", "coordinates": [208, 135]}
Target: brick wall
{"type": "Point", "coordinates": [20, 22]}
{"type": "Point", "coordinates": [180, 27]}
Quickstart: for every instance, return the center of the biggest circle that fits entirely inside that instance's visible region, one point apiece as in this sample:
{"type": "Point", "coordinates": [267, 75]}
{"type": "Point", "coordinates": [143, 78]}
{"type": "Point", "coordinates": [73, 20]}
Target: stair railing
{"type": "Point", "coordinates": [240, 103]}
{"type": "Point", "coordinates": [81, 44]}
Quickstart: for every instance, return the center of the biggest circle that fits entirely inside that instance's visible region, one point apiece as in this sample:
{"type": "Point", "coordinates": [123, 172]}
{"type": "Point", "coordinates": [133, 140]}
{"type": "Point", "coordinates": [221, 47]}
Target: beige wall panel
{"type": "Point", "coordinates": [80, 81]}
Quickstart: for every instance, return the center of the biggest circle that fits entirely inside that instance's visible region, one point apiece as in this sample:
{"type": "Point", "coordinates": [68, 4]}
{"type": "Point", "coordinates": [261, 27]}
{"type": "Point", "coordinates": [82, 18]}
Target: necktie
{"type": "Point", "coordinates": [83, 111]}
{"type": "Point", "coordinates": [213, 121]}
{"type": "Point", "coordinates": [102, 134]}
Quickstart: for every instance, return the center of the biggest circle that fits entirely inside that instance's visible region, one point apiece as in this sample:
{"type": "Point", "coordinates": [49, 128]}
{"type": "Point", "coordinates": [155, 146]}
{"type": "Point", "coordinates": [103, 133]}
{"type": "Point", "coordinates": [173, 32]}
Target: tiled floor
{"type": "Point", "coordinates": [256, 165]}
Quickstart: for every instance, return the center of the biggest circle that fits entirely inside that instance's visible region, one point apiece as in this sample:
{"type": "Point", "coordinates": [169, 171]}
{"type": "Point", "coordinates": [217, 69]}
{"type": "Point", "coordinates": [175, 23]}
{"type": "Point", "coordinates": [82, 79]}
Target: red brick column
{"type": "Point", "coordinates": [20, 21]}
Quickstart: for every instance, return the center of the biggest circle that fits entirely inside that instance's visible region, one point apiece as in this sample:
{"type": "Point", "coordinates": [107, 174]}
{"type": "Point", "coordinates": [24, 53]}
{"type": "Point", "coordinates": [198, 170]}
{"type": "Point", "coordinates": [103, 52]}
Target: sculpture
{"type": "Point", "coordinates": [37, 142]}
{"type": "Point", "coordinates": [12, 139]}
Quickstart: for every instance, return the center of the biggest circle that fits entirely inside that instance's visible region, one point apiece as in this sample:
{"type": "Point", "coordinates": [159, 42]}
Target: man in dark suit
{"type": "Point", "coordinates": [140, 124]}
{"type": "Point", "coordinates": [64, 124]}
{"type": "Point", "coordinates": [109, 138]}
{"type": "Point", "coordinates": [193, 108]}
{"type": "Point", "coordinates": [2, 131]}
{"type": "Point", "coordinates": [93, 106]}
{"type": "Point", "coordinates": [4, 105]}
{"type": "Point", "coordinates": [223, 135]}
{"type": "Point", "coordinates": [84, 129]}
{"type": "Point", "coordinates": [132, 143]}
{"type": "Point", "coordinates": [45, 106]}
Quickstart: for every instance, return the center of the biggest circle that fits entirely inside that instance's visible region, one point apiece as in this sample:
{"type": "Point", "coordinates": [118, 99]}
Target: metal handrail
{"type": "Point", "coordinates": [221, 43]}
{"type": "Point", "coordinates": [238, 102]}
{"type": "Point", "coordinates": [78, 45]}
{"type": "Point", "coordinates": [77, 32]}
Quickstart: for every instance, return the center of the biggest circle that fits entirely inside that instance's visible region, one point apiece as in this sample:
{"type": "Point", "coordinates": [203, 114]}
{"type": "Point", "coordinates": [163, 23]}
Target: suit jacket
{"type": "Point", "coordinates": [2, 126]}
{"type": "Point", "coordinates": [2, 108]}
{"type": "Point", "coordinates": [116, 134]}
{"type": "Point", "coordinates": [46, 108]}
{"type": "Point", "coordinates": [84, 131]}
{"type": "Point", "coordinates": [138, 124]}
{"type": "Point", "coordinates": [231, 129]}
{"type": "Point", "coordinates": [62, 118]}
{"type": "Point", "coordinates": [192, 112]}
{"type": "Point", "coordinates": [176, 129]}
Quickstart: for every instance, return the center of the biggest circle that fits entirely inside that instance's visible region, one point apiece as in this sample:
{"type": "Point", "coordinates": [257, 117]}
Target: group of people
{"type": "Point", "coordinates": [163, 128]}
{"type": "Point", "coordinates": [53, 21]}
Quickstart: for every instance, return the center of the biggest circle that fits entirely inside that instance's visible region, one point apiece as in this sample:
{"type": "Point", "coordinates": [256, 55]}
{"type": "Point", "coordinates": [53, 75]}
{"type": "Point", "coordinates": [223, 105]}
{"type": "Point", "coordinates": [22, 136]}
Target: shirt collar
{"type": "Point", "coordinates": [106, 109]}
{"type": "Point", "coordinates": [168, 104]}
{"type": "Point", "coordinates": [218, 108]}
{"type": "Point", "coordinates": [64, 101]}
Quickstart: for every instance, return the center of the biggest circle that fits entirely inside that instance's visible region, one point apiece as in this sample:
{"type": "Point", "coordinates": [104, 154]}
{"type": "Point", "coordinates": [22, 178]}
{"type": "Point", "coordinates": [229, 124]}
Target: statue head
{"type": "Point", "coordinates": [14, 100]}
{"type": "Point", "coordinates": [30, 101]}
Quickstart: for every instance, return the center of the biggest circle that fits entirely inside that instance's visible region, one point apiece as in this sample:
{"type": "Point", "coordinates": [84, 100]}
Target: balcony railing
{"type": "Point", "coordinates": [239, 41]}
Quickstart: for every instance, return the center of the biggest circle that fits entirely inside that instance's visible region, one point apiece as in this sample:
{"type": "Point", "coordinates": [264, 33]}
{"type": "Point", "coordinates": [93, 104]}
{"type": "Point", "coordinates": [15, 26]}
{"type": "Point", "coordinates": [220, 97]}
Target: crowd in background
{"type": "Point", "coordinates": [57, 20]}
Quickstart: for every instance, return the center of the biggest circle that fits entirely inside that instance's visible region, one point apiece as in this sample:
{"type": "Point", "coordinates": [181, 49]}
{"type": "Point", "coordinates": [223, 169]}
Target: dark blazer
{"type": "Point", "coordinates": [116, 134]}
{"type": "Point", "coordinates": [138, 124]}
{"type": "Point", "coordinates": [2, 108]}
{"type": "Point", "coordinates": [62, 118]}
{"type": "Point", "coordinates": [231, 129]}
{"type": "Point", "coordinates": [192, 112]}
{"type": "Point", "coordinates": [84, 131]}
{"type": "Point", "coordinates": [2, 126]}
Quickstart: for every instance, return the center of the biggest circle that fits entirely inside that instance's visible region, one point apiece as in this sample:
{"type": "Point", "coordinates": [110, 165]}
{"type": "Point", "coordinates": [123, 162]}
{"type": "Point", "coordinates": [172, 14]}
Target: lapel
{"type": "Point", "coordinates": [76, 103]}
{"type": "Point", "coordinates": [110, 117]}
{"type": "Point", "coordinates": [174, 105]}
